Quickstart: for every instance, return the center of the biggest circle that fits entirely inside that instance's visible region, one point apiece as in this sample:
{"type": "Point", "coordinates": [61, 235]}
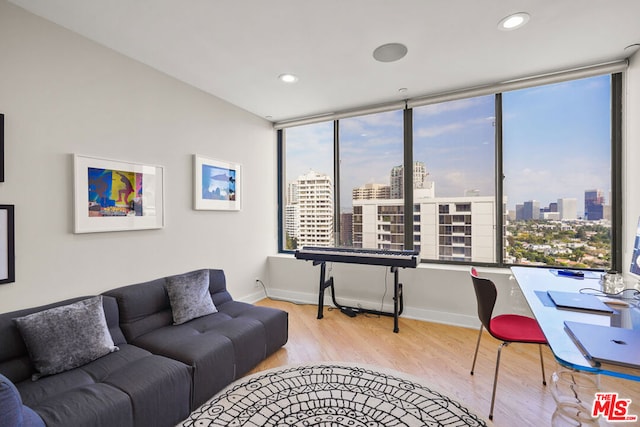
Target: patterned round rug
{"type": "Point", "coordinates": [330, 395]}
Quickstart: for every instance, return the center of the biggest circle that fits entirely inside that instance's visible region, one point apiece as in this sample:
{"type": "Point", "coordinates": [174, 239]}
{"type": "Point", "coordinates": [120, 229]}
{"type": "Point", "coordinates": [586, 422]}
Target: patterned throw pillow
{"type": "Point", "coordinates": [65, 337]}
{"type": "Point", "coordinates": [189, 296]}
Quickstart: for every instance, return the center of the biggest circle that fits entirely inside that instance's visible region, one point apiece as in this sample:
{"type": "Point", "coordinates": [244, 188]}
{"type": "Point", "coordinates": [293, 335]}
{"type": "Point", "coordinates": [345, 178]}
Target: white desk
{"type": "Point", "coordinates": [534, 283]}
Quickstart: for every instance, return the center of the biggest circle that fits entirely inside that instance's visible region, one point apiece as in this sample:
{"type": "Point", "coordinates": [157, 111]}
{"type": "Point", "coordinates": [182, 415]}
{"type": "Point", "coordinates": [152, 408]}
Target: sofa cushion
{"type": "Point", "coordinates": [95, 405]}
{"type": "Point", "coordinates": [12, 411]}
{"type": "Point", "coordinates": [189, 296]}
{"type": "Point", "coordinates": [65, 337]}
{"type": "Point", "coordinates": [130, 387]}
{"type": "Point", "coordinates": [145, 306]}
{"type": "Point", "coordinates": [276, 322]}
{"type": "Point", "coordinates": [210, 355]}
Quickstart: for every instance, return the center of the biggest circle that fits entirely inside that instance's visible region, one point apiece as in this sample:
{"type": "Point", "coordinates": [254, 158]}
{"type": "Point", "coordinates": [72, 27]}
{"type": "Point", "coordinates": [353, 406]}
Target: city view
{"type": "Point", "coordinates": [555, 161]}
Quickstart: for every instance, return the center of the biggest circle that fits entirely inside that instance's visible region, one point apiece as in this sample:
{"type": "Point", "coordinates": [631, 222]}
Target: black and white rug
{"type": "Point", "coordinates": [330, 395]}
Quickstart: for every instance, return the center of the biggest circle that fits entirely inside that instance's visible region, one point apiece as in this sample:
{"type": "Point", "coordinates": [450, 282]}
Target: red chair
{"type": "Point", "coordinates": [507, 328]}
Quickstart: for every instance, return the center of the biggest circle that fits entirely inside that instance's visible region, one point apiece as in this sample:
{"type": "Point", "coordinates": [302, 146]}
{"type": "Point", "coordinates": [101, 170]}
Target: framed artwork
{"type": "Point", "coordinates": [112, 195]}
{"type": "Point", "coordinates": [217, 184]}
{"type": "Point", "coordinates": [1, 147]}
{"type": "Point", "coordinates": [7, 245]}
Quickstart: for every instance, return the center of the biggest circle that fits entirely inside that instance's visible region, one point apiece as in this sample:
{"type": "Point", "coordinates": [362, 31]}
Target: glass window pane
{"type": "Point", "coordinates": [308, 196]}
{"type": "Point", "coordinates": [371, 174]}
{"type": "Point", "coordinates": [557, 166]}
{"type": "Point", "coordinates": [455, 141]}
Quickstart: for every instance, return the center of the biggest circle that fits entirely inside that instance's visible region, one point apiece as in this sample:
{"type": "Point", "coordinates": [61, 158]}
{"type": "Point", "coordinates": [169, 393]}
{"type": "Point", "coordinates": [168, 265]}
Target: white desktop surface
{"type": "Point", "coordinates": [535, 282]}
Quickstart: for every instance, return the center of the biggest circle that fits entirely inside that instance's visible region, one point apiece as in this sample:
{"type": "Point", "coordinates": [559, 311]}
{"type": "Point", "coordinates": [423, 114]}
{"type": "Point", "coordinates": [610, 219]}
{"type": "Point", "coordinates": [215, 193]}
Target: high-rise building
{"type": "Point", "coordinates": [568, 208]}
{"type": "Point", "coordinates": [593, 205]}
{"type": "Point", "coordinates": [292, 193]}
{"type": "Point", "coordinates": [531, 210]}
{"type": "Point", "coordinates": [397, 179]}
{"type": "Point", "coordinates": [315, 210]}
{"type": "Point", "coordinates": [452, 229]}
{"type": "Point", "coordinates": [346, 229]}
{"type": "Point", "coordinates": [292, 221]}
{"type": "Point", "coordinates": [371, 191]}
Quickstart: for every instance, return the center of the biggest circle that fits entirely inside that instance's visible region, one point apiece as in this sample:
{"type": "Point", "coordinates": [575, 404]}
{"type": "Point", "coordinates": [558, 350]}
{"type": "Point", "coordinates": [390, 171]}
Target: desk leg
{"type": "Point", "coordinates": [574, 393]}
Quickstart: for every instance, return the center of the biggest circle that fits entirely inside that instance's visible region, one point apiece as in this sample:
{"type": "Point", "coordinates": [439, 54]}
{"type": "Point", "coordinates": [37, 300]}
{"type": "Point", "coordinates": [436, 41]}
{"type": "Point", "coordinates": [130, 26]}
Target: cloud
{"type": "Point", "coordinates": [433, 131]}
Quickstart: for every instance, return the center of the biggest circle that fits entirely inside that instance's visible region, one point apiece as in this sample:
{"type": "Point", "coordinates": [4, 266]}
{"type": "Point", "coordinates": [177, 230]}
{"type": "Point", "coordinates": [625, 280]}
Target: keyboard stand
{"type": "Point", "coordinates": [398, 303]}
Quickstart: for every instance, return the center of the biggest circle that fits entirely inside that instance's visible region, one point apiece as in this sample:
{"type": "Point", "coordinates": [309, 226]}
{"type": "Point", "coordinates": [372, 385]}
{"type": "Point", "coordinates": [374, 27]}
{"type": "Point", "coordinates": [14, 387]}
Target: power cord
{"type": "Point", "coordinates": [621, 294]}
{"type": "Point", "coordinates": [264, 288]}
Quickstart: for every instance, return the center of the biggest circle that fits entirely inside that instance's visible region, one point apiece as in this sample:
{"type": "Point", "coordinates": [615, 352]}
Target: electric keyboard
{"type": "Point", "coordinates": [388, 258]}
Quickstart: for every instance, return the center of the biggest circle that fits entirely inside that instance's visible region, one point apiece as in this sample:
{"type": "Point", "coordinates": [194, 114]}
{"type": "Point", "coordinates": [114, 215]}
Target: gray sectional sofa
{"type": "Point", "coordinates": [161, 370]}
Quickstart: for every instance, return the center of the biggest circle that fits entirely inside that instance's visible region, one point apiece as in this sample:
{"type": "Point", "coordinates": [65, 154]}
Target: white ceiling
{"type": "Point", "coordinates": [236, 49]}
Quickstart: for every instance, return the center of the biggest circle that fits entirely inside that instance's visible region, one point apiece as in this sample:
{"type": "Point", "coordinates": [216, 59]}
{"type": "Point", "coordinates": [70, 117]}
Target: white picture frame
{"type": "Point", "coordinates": [217, 184]}
{"type": "Point", "coordinates": [113, 195]}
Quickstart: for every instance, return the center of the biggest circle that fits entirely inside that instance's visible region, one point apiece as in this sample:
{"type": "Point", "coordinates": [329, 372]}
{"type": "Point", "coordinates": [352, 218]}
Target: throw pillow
{"type": "Point", "coordinates": [65, 337]}
{"type": "Point", "coordinates": [12, 412]}
{"type": "Point", "coordinates": [10, 404]}
{"type": "Point", "coordinates": [189, 296]}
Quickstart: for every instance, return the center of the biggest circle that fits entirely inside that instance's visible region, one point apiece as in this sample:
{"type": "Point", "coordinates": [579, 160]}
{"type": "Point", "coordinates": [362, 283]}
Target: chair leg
{"type": "Point", "coordinates": [495, 379]}
{"type": "Point", "coordinates": [476, 353]}
{"type": "Point", "coordinates": [544, 378]}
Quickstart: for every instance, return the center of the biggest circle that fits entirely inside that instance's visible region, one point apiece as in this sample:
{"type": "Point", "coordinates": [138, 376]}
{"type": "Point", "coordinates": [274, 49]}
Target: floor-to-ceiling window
{"type": "Point", "coordinates": [307, 197]}
{"type": "Point", "coordinates": [371, 180]}
{"type": "Point", "coordinates": [557, 168]}
{"type": "Point", "coordinates": [517, 177]}
{"type": "Point", "coordinates": [455, 140]}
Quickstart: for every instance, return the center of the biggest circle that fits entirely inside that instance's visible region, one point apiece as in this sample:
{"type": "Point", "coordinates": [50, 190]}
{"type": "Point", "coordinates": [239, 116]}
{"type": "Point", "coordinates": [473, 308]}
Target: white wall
{"type": "Point", "coordinates": [444, 293]}
{"type": "Point", "coordinates": [63, 94]}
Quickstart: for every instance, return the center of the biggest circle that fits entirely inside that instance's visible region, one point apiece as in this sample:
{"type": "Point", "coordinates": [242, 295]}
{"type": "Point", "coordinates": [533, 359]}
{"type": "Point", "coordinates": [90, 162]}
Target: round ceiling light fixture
{"type": "Point", "coordinates": [288, 78]}
{"type": "Point", "coordinates": [390, 52]}
{"type": "Point", "coordinates": [513, 21]}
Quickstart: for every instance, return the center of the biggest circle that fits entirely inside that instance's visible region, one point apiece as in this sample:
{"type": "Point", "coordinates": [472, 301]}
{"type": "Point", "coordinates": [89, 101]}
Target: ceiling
{"type": "Point", "coordinates": [236, 49]}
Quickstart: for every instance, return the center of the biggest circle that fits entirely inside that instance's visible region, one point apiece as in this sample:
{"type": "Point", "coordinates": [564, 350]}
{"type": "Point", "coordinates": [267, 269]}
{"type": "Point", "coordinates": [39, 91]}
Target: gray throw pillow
{"type": "Point", "coordinates": [65, 337]}
{"type": "Point", "coordinates": [189, 296]}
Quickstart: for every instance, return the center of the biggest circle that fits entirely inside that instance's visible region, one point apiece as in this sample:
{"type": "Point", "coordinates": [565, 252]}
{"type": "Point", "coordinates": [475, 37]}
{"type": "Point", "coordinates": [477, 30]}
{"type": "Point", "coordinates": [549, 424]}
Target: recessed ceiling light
{"type": "Point", "coordinates": [390, 52]}
{"type": "Point", "coordinates": [288, 78]}
{"type": "Point", "coordinates": [513, 21]}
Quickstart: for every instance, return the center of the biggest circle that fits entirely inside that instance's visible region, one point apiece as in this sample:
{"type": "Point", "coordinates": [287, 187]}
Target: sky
{"type": "Point", "coordinates": [556, 144]}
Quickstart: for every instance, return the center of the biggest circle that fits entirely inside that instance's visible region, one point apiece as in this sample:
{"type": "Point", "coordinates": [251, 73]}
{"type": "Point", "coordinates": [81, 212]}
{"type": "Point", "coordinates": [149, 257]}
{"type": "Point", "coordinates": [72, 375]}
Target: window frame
{"type": "Point", "coordinates": [616, 177]}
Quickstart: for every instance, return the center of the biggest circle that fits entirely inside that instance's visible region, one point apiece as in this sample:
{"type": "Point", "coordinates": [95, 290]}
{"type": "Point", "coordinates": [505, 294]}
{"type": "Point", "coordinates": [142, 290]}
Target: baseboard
{"type": "Point", "coordinates": [408, 312]}
{"type": "Point", "coordinates": [253, 297]}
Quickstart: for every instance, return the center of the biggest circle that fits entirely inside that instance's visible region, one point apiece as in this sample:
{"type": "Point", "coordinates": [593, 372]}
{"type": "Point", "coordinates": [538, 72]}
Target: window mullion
{"type": "Point", "coordinates": [408, 178]}
{"type": "Point", "coordinates": [499, 181]}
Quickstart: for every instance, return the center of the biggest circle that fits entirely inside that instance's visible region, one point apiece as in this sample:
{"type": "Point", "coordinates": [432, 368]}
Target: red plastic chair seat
{"type": "Point", "coordinates": [516, 328]}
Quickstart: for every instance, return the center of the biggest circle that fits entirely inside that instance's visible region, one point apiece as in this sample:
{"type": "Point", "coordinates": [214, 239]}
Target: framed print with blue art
{"type": "Point", "coordinates": [217, 184]}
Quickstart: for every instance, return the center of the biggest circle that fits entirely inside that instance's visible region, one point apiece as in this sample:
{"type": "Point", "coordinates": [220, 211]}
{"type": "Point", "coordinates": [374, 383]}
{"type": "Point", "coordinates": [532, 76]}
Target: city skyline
{"type": "Point", "coordinates": [556, 144]}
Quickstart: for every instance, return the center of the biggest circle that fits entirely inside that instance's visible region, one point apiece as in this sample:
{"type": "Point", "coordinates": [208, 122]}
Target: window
{"type": "Point", "coordinates": [557, 167]}
{"type": "Point", "coordinates": [456, 142]}
{"type": "Point", "coordinates": [308, 197]}
{"type": "Point", "coordinates": [551, 146]}
{"type": "Point", "coordinates": [371, 179]}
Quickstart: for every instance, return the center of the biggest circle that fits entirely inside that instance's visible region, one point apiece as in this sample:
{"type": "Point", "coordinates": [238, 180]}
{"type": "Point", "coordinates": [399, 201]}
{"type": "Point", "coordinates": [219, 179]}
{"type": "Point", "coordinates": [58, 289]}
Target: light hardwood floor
{"type": "Point", "coordinates": [441, 355]}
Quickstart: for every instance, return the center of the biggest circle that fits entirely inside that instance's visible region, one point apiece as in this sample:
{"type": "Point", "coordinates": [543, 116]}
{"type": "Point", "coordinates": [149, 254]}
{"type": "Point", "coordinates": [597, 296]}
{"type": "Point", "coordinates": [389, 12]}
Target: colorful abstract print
{"type": "Point", "coordinates": [114, 193]}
